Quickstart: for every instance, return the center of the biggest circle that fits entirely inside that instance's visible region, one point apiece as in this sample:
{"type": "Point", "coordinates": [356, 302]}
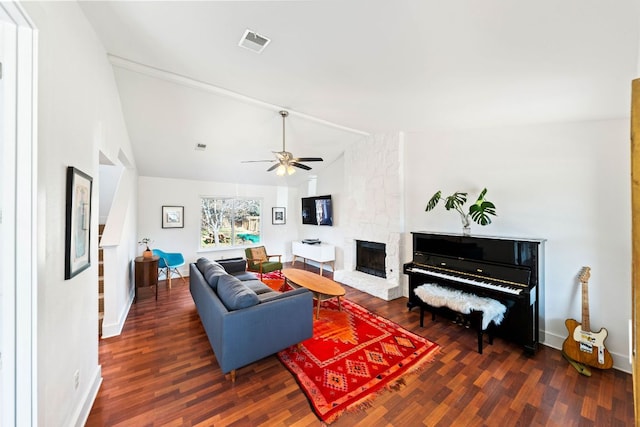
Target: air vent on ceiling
{"type": "Point", "coordinates": [253, 41]}
{"type": "Point", "coordinates": [201, 147]}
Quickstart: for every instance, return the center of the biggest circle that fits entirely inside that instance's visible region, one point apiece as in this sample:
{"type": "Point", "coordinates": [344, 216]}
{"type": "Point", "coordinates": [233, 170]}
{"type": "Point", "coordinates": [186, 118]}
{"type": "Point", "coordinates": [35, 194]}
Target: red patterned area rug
{"type": "Point", "coordinates": [352, 357]}
{"type": "Point", "coordinates": [274, 280]}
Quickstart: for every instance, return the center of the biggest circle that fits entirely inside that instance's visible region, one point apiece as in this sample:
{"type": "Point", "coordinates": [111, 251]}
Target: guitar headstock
{"type": "Point", "coordinates": [585, 274]}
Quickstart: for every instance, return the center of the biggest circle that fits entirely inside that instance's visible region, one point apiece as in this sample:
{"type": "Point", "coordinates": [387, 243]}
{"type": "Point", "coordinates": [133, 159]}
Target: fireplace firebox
{"type": "Point", "coordinates": [370, 258]}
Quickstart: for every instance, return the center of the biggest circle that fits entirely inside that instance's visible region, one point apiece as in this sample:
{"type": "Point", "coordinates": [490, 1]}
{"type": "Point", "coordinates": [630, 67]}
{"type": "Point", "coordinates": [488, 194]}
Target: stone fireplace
{"type": "Point", "coordinates": [370, 258]}
{"type": "Point", "coordinates": [386, 287]}
{"type": "Point", "coordinates": [373, 198]}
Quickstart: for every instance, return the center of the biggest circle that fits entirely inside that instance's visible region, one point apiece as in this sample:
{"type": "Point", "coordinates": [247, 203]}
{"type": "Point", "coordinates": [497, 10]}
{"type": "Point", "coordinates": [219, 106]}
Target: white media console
{"type": "Point", "coordinates": [319, 252]}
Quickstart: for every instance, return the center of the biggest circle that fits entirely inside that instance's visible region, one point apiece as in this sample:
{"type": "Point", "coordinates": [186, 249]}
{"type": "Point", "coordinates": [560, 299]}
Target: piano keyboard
{"type": "Point", "coordinates": [506, 288]}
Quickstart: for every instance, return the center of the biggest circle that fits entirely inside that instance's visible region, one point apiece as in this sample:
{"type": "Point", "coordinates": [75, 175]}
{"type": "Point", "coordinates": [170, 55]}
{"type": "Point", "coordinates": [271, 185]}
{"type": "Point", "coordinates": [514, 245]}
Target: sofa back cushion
{"type": "Point", "coordinates": [233, 265]}
{"type": "Point", "coordinates": [201, 263]}
{"type": "Point", "coordinates": [234, 294]}
{"type": "Point", "coordinates": [211, 271]}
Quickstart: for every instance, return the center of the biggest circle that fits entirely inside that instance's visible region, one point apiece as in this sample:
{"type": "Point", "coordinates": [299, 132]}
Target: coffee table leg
{"type": "Point", "coordinates": [339, 305]}
{"type": "Point", "coordinates": [318, 309]}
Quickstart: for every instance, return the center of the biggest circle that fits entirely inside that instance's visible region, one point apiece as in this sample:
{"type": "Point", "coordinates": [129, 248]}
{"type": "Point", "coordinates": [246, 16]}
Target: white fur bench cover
{"type": "Point", "coordinates": [462, 302]}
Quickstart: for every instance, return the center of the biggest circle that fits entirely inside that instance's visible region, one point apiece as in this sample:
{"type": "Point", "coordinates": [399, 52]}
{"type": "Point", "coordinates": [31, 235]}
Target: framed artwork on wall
{"type": "Point", "coordinates": [78, 223]}
{"type": "Point", "coordinates": [173, 217]}
{"type": "Point", "coordinates": [278, 216]}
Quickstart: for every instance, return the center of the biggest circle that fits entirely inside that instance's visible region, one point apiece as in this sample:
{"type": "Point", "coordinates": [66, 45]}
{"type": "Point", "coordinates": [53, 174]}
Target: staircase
{"type": "Point", "coordinates": [100, 283]}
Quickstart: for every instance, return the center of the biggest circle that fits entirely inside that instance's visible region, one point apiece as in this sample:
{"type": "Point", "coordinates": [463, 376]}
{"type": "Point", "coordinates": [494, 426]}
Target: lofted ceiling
{"type": "Point", "coordinates": [345, 69]}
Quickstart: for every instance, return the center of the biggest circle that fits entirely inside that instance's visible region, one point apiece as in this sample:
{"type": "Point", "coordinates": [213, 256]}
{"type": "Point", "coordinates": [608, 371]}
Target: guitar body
{"type": "Point", "coordinates": [587, 347]}
{"type": "Point", "coordinates": [582, 345]}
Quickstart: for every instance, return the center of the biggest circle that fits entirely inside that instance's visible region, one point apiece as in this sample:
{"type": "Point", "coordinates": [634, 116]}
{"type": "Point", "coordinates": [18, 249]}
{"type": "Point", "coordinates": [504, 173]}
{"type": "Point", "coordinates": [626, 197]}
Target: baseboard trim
{"type": "Point", "coordinates": [114, 329]}
{"type": "Point", "coordinates": [83, 411]}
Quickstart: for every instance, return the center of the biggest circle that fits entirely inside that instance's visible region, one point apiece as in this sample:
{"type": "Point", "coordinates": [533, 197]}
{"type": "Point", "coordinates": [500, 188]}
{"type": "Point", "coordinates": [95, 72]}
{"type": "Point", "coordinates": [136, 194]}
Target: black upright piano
{"type": "Point", "coordinates": [506, 269]}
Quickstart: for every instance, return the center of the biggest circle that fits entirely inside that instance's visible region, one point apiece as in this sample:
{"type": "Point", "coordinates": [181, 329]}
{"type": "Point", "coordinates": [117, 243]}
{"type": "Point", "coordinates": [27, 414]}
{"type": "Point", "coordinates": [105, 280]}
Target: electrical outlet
{"type": "Point", "coordinates": [76, 379]}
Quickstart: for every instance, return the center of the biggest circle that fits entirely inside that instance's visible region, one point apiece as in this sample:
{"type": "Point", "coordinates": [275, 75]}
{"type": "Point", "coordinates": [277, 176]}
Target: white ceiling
{"type": "Point", "coordinates": [372, 66]}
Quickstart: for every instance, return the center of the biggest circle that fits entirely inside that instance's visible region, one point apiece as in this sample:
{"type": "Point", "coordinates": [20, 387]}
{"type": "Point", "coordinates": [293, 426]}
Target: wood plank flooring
{"type": "Point", "coordinates": [161, 371]}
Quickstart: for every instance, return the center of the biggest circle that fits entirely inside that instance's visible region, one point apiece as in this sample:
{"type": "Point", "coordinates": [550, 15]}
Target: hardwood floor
{"type": "Point", "coordinates": [161, 371]}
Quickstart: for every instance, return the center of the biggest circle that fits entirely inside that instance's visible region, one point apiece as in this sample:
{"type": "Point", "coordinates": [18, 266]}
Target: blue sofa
{"type": "Point", "coordinates": [244, 319]}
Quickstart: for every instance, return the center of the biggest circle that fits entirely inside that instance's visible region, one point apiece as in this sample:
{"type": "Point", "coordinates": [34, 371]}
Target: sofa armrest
{"type": "Point", "coordinates": [256, 332]}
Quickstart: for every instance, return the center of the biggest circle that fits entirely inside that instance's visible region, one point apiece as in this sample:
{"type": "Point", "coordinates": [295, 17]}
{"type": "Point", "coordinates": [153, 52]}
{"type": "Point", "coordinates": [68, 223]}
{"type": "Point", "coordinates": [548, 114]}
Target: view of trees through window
{"type": "Point", "coordinates": [229, 222]}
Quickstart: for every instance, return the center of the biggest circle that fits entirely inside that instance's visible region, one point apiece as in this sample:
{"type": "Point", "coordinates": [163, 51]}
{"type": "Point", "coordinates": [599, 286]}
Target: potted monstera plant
{"type": "Point", "coordinates": [479, 212]}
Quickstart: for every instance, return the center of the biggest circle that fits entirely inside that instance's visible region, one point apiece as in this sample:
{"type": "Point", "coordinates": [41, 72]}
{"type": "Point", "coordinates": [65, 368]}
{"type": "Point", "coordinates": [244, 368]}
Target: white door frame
{"type": "Point", "coordinates": [18, 192]}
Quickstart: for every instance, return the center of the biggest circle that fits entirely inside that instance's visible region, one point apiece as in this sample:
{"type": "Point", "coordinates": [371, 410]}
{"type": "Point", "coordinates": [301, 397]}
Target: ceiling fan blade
{"type": "Point", "coordinates": [300, 165]}
{"type": "Point", "coordinates": [308, 159]}
{"type": "Point", "coordinates": [284, 158]}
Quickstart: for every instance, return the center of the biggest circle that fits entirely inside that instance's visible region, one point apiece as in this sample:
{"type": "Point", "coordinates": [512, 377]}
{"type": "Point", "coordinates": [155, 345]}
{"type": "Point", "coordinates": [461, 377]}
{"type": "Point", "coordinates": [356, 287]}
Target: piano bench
{"type": "Point", "coordinates": [473, 319]}
{"type": "Point", "coordinates": [480, 313]}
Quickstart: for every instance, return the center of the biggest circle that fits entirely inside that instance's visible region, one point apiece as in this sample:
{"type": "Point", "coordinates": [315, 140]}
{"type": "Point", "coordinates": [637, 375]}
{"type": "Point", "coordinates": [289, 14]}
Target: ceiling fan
{"type": "Point", "coordinates": [284, 161]}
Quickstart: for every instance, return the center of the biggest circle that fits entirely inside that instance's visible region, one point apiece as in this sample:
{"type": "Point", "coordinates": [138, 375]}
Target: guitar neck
{"type": "Point", "coordinates": [584, 279]}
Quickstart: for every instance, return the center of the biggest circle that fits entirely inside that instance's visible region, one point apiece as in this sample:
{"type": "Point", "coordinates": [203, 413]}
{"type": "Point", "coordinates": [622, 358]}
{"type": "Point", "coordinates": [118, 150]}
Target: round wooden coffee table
{"type": "Point", "coordinates": [321, 287]}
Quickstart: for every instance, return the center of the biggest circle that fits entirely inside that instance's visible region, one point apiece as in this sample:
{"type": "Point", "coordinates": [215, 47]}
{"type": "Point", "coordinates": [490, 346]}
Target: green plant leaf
{"type": "Point", "coordinates": [481, 196]}
{"type": "Point", "coordinates": [433, 201]}
{"type": "Point", "coordinates": [480, 212]}
{"type": "Point", "coordinates": [455, 201]}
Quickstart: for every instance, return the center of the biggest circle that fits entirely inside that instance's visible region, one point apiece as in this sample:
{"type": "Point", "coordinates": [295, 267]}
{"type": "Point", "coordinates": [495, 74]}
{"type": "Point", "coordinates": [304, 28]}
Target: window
{"type": "Point", "coordinates": [229, 222]}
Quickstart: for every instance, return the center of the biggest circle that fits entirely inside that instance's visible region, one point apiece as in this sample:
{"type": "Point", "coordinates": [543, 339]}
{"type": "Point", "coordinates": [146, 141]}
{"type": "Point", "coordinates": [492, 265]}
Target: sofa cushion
{"type": "Point", "coordinates": [212, 276]}
{"type": "Point", "coordinates": [245, 276]}
{"type": "Point", "coordinates": [205, 263]}
{"type": "Point", "coordinates": [234, 294]}
{"type": "Point", "coordinates": [257, 286]}
{"type": "Point", "coordinates": [233, 265]}
{"type": "Point", "coordinates": [202, 261]}
{"type": "Point", "coordinates": [211, 271]}
{"type": "Point", "coordinates": [272, 296]}
{"type": "Point", "coordinates": [258, 254]}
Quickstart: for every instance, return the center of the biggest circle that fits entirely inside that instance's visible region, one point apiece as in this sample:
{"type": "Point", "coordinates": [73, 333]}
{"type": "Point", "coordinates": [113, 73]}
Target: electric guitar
{"type": "Point", "coordinates": [582, 345]}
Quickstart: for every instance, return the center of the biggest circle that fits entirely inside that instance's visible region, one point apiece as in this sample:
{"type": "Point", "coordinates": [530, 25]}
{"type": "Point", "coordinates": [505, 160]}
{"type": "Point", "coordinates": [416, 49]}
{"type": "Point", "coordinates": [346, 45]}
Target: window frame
{"type": "Point", "coordinates": [235, 243]}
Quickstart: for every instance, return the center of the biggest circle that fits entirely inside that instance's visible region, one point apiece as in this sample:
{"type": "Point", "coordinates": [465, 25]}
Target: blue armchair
{"type": "Point", "coordinates": [169, 263]}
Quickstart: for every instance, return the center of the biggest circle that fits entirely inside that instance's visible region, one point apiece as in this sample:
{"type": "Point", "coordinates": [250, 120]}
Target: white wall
{"type": "Point", "coordinates": [79, 115]}
{"type": "Point", "coordinates": [567, 183]}
{"type": "Point", "coordinates": [109, 176]}
{"type": "Point", "coordinates": [153, 193]}
{"type": "Point", "coordinates": [329, 182]}
{"type": "Point", "coordinates": [119, 248]}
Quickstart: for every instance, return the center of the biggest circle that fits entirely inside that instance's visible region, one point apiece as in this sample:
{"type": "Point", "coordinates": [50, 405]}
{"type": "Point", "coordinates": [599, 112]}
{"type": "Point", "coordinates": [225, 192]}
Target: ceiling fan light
{"type": "Point", "coordinates": [281, 170]}
{"type": "Point", "coordinates": [290, 170]}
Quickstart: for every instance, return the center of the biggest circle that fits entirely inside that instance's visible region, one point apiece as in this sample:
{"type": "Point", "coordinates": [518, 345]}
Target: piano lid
{"type": "Point", "coordinates": [501, 250]}
{"type": "Point", "coordinates": [478, 236]}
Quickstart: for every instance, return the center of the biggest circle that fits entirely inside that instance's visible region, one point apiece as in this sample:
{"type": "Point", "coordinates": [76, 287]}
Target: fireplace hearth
{"type": "Point", "coordinates": [370, 258]}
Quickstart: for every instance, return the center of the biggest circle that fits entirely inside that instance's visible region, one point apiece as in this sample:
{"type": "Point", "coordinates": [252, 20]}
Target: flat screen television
{"type": "Point", "coordinates": [317, 210]}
